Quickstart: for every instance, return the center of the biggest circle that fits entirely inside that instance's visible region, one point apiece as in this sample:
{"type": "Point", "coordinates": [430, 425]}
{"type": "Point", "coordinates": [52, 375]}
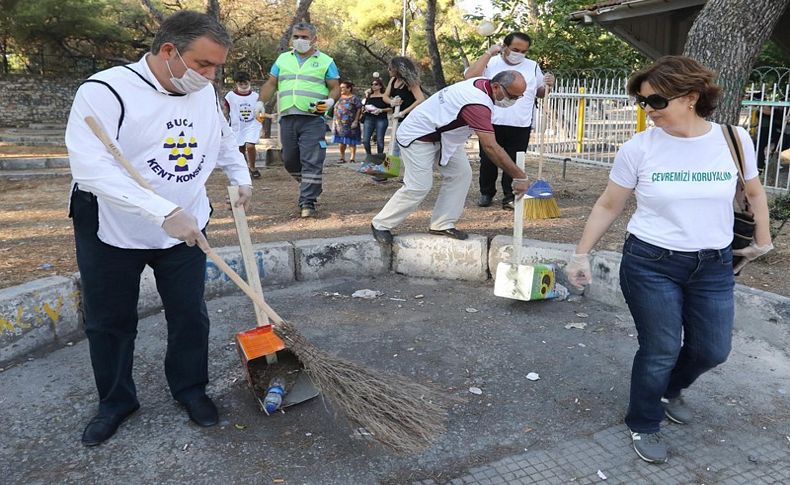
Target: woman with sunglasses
{"type": "Point", "coordinates": [676, 273]}
{"type": "Point", "coordinates": [376, 110]}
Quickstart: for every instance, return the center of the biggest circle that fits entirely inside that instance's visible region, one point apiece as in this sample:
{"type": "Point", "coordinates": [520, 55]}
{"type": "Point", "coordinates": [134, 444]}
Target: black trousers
{"type": "Point", "coordinates": [110, 278]}
{"type": "Point", "coordinates": [513, 139]}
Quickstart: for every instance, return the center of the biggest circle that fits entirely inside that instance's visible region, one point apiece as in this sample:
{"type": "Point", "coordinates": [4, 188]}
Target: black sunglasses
{"type": "Point", "coordinates": [655, 101]}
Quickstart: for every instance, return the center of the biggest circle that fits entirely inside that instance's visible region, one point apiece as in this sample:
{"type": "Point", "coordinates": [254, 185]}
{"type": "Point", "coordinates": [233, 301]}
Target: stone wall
{"type": "Point", "coordinates": [31, 99]}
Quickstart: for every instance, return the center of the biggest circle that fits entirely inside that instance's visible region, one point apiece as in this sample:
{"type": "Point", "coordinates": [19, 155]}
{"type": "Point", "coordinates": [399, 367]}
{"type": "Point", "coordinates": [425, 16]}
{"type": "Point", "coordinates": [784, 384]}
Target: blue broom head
{"type": "Point", "coordinates": [540, 189]}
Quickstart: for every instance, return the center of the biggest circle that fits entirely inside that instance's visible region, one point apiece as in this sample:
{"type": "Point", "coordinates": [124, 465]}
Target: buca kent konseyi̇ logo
{"type": "Point", "coordinates": [181, 151]}
{"type": "Point", "coordinates": [178, 162]}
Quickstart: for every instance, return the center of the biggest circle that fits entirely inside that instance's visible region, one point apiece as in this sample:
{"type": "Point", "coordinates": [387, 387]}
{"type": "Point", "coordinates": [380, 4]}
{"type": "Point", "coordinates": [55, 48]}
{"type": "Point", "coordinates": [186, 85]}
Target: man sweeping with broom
{"type": "Point", "coordinates": [513, 126]}
{"type": "Point", "coordinates": [436, 131]}
{"type": "Point", "coordinates": [163, 113]}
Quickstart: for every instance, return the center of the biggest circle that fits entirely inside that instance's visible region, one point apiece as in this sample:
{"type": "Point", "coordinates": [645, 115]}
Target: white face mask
{"type": "Point", "coordinates": [190, 82]}
{"type": "Point", "coordinates": [505, 102]}
{"type": "Point", "coordinates": [515, 57]}
{"type": "Point", "coordinates": [301, 45]}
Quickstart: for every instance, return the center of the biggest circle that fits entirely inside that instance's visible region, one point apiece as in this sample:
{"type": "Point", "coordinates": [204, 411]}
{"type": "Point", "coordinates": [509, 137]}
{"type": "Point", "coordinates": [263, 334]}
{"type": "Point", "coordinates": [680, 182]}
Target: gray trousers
{"type": "Point", "coordinates": [304, 150]}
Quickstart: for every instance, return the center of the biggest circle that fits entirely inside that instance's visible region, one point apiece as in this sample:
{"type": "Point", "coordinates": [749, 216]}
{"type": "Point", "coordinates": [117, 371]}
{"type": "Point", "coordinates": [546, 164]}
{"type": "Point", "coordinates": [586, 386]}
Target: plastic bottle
{"type": "Point", "coordinates": [274, 395]}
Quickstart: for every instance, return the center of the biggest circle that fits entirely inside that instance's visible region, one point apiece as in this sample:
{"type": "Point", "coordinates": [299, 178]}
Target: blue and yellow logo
{"type": "Point", "coordinates": [180, 151]}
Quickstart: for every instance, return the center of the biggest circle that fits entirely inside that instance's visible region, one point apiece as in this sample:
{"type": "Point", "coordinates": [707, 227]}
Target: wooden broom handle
{"type": "Point", "coordinates": [221, 264]}
{"type": "Point", "coordinates": [545, 109]}
{"type": "Point", "coordinates": [393, 141]}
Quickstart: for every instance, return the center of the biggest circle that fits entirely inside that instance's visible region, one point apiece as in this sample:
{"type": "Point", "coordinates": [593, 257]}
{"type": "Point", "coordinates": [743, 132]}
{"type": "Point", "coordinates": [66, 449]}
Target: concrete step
{"type": "Point", "coordinates": [34, 173]}
{"type": "Point", "coordinates": [55, 139]}
{"type": "Point", "coordinates": [27, 163]}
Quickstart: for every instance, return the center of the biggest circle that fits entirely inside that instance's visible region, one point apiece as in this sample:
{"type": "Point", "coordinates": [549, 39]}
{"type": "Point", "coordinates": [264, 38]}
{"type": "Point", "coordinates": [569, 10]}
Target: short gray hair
{"type": "Point", "coordinates": [184, 27]}
{"type": "Point", "coordinates": [304, 26]}
{"type": "Point", "coordinates": [505, 78]}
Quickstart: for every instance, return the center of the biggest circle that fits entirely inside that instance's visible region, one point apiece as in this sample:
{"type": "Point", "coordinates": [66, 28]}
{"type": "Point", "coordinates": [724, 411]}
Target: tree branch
{"type": "Point", "coordinates": [152, 11]}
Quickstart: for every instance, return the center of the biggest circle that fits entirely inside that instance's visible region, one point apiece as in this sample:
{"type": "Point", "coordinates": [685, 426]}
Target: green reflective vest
{"type": "Point", "coordinates": [301, 85]}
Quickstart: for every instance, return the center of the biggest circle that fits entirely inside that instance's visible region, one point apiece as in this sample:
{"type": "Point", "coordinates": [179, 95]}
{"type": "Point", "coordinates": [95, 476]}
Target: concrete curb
{"type": "Point", "coordinates": [45, 312]}
{"type": "Point", "coordinates": [38, 314]}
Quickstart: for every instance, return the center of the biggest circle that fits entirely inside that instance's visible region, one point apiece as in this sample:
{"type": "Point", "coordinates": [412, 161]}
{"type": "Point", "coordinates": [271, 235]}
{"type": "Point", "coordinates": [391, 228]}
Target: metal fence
{"type": "Point", "coordinates": [587, 117]}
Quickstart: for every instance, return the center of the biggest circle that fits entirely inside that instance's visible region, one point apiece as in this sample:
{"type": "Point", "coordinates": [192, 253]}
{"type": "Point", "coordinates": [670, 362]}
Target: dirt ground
{"type": "Point", "coordinates": [36, 236]}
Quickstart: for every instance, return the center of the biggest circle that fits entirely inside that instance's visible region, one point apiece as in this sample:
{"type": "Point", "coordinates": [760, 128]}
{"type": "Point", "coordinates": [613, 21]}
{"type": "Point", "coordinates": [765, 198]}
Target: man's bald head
{"type": "Point", "coordinates": [512, 81]}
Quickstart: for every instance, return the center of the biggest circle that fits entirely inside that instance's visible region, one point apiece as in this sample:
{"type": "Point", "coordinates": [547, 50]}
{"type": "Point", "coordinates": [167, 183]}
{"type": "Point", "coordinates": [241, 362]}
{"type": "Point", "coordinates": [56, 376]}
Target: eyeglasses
{"type": "Point", "coordinates": [510, 96]}
{"type": "Point", "coordinates": [655, 101]}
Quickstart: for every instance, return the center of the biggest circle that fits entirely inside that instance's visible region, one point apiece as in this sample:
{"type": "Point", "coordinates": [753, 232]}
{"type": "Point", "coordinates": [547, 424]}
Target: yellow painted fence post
{"type": "Point", "coordinates": [641, 119]}
{"type": "Point", "coordinates": [580, 123]}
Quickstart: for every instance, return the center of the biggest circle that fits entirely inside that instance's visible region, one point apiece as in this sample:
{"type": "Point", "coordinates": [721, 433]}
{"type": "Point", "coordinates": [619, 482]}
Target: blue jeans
{"type": "Point", "coordinates": [380, 127]}
{"type": "Point", "coordinates": [683, 308]}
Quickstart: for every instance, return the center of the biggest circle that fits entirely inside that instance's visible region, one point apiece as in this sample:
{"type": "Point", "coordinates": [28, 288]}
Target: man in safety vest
{"type": "Point", "coordinates": [436, 131]}
{"type": "Point", "coordinates": [307, 82]}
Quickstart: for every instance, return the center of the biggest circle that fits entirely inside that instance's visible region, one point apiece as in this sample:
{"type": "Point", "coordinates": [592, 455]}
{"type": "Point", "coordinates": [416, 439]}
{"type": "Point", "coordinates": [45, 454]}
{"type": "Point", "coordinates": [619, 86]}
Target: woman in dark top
{"type": "Point", "coordinates": [376, 111]}
{"type": "Point", "coordinates": [404, 88]}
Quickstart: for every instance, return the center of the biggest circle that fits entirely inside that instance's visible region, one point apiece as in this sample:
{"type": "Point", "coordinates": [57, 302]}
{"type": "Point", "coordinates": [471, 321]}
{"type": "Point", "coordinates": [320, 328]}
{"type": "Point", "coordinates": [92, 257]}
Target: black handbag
{"type": "Point", "coordinates": [743, 227]}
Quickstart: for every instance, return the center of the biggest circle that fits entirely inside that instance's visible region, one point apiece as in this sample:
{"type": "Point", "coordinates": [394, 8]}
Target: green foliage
{"type": "Point", "coordinates": [779, 211]}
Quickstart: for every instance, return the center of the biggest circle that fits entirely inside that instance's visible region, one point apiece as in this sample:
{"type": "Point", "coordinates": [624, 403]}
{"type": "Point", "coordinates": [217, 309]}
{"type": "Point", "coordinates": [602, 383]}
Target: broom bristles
{"type": "Point", "coordinates": [401, 414]}
{"type": "Point", "coordinates": [541, 208]}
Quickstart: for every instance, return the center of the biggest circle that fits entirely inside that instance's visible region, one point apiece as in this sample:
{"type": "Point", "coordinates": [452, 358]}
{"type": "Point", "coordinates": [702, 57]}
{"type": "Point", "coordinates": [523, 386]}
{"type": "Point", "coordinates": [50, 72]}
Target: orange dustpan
{"type": "Point", "coordinates": [263, 354]}
{"type": "Point", "coordinates": [260, 341]}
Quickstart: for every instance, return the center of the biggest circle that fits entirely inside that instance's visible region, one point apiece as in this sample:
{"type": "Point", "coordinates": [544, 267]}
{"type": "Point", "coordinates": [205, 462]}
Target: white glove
{"type": "Point", "coordinates": [520, 186]}
{"type": "Point", "coordinates": [578, 271]}
{"type": "Point", "coordinates": [750, 253]}
{"type": "Point", "coordinates": [245, 195]}
{"type": "Point", "coordinates": [259, 111]}
{"type": "Point", "coordinates": [396, 101]}
{"type": "Point", "coordinates": [180, 224]}
{"type": "Point", "coordinates": [322, 106]}
{"type": "Point", "coordinates": [494, 50]}
{"type": "Point", "coordinates": [548, 80]}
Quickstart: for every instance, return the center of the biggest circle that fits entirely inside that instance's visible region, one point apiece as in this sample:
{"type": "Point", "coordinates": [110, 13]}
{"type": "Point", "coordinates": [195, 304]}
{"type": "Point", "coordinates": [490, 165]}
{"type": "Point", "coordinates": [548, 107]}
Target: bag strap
{"type": "Point", "coordinates": [736, 151]}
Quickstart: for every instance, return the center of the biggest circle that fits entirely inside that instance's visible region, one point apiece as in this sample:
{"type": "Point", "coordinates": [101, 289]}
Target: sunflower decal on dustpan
{"type": "Point", "coordinates": [180, 151]}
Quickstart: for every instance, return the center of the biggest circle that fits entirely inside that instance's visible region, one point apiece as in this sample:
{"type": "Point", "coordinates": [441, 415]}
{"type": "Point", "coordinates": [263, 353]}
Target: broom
{"type": "Point", "coordinates": [399, 413]}
{"type": "Point", "coordinates": [539, 202]}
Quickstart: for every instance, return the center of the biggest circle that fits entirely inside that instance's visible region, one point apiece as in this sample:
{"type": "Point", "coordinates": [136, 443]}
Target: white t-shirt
{"type": "Point", "coordinates": [684, 187]}
{"type": "Point", "coordinates": [174, 142]}
{"type": "Point", "coordinates": [521, 113]}
{"type": "Point", "coordinates": [241, 107]}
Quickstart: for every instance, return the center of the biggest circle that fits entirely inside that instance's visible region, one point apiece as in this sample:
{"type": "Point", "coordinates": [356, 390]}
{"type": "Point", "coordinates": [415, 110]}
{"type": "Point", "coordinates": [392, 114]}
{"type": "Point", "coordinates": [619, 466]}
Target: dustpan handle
{"type": "Point", "coordinates": [247, 253]}
{"type": "Point", "coordinates": [518, 215]}
{"type": "Point", "coordinates": [116, 152]}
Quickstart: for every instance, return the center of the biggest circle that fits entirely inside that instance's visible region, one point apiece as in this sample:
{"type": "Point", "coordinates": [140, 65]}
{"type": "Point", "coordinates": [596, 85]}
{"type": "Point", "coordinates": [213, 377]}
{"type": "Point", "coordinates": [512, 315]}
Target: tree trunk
{"type": "Point", "coordinates": [727, 36]}
{"type": "Point", "coordinates": [433, 47]}
{"type": "Point", "coordinates": [212, 10]}
{"type": "Point", "coordinates": [532, 8]}
{"type": "Point", "coordinates": [461, 52]}
{"type": "Point", "coordinates": [302, 14]}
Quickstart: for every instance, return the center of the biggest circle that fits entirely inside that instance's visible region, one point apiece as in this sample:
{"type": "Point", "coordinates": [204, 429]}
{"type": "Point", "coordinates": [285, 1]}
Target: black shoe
{"type": "Point", "coordinates": [102, 426]}
{"type": "Point", "coordinates": [383, 236]}
{"type": "Point", "coordinates": [256, 174]}
{"type": "Point", "coordinates": [452, 232]}
{"type": "Point", "coordinates": [307, 211]}
{"type": "Point", "coordinates": [202, 411]}
{"type": "Point", "coordinates": [508, 203]}
{"type": "Point", "coordinates": [485, 200]}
